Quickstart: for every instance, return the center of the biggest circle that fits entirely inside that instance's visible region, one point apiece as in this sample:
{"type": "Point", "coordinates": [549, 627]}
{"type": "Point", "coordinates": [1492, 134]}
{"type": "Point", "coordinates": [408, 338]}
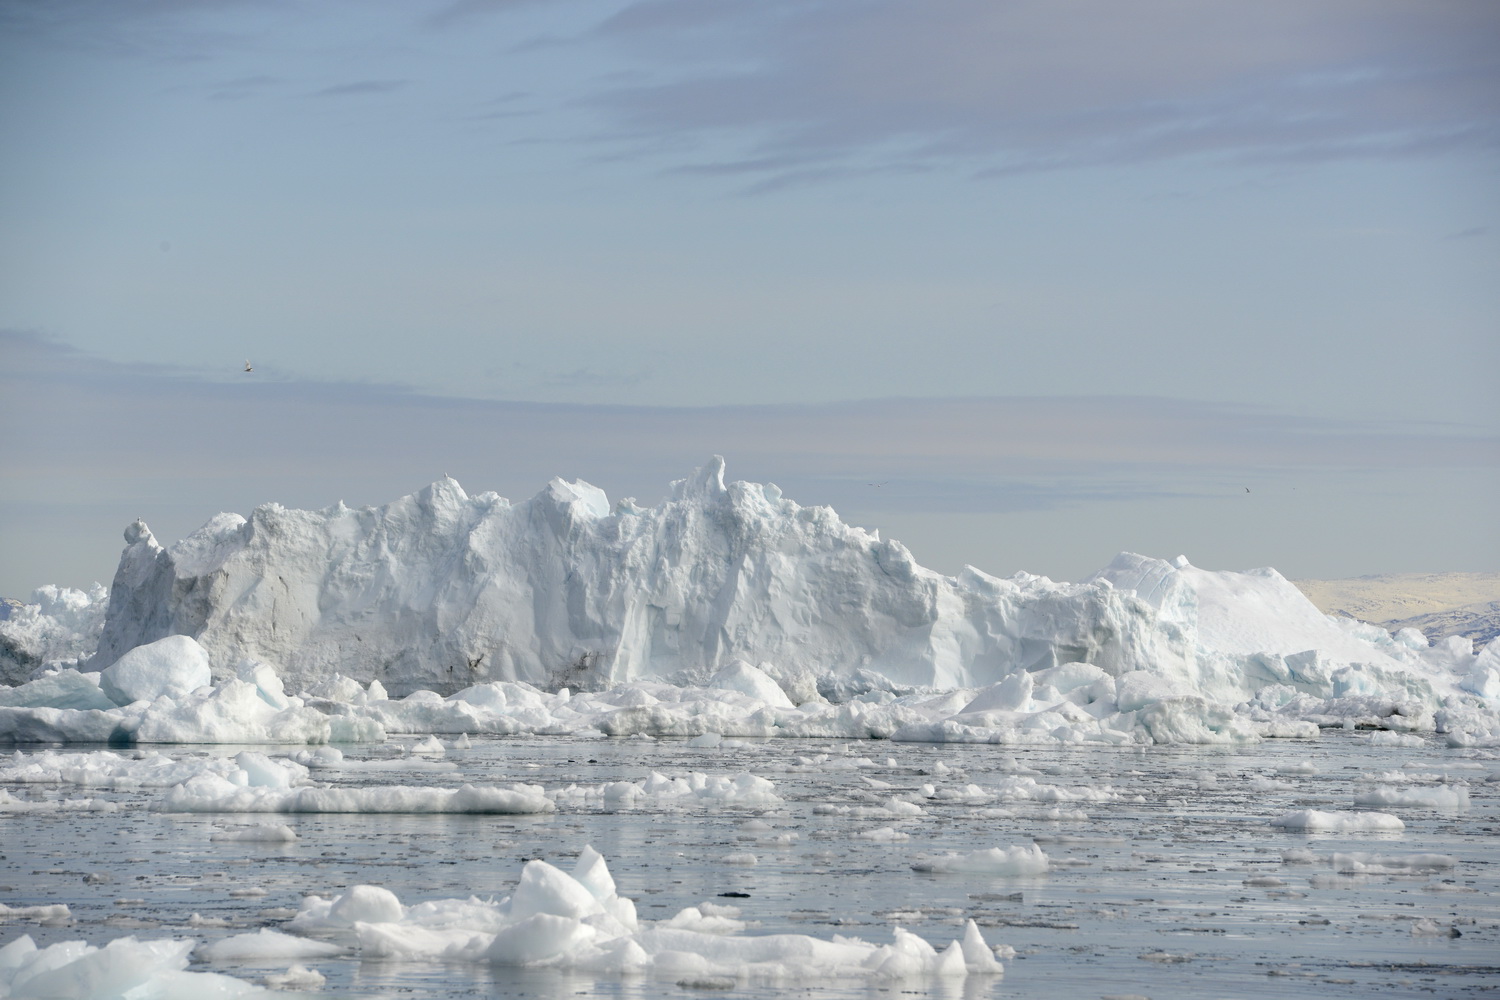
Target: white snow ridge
{"type": "Point", "coordinates": [727, 610]}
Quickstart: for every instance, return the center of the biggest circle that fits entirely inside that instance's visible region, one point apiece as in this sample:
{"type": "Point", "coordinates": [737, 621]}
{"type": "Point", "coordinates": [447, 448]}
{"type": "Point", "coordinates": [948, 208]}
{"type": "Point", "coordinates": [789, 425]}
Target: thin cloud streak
{"type": "Point", "coordinates": [1033, 85]}
{"type": "Point", "coordinates": [64, 398]}
{"type": "Point", "coordinates": [359, 88]}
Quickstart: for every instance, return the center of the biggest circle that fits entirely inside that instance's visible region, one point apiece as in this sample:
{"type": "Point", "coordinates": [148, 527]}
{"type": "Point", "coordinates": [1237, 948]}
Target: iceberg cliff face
{"type": "Point", "coordinates": [440, 590]}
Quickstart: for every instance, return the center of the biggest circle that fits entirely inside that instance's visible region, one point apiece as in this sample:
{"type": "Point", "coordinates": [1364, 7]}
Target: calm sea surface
{"type": "Point", "coordinates": [1175, 888]}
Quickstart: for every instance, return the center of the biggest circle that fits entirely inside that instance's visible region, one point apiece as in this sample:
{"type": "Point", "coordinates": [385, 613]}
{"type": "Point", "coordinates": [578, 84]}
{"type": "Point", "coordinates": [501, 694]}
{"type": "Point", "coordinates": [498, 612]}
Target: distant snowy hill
{"type": "Point", "coordinates": [1436, 604]}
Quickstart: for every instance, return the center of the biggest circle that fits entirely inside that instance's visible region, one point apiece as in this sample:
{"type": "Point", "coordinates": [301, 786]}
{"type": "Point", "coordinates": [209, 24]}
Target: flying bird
{"type": "Point", "coordinates": [877, 485]}
{"type": "Point", "coordinates": [247, 366]}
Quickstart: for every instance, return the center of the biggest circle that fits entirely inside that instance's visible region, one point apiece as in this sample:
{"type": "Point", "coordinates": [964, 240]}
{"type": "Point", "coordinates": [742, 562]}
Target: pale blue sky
{"type": "Point", "coordinates": [1066, 275]}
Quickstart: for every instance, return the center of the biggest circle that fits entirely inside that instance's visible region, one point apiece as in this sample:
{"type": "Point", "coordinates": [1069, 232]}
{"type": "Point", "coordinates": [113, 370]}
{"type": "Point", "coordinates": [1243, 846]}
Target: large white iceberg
{"type": "Point", "coordinates": [727, 610]}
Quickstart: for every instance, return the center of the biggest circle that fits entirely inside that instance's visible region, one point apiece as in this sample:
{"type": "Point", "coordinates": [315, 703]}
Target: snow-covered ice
{"type": "Point", "coordinates": [1320, 821]}
{"type": "Point", "coordinates": [125, 967]}
{"type": "Point", "coordinates": [1012, 861]}
{"type": "Point", "coordinates": [727, 611]}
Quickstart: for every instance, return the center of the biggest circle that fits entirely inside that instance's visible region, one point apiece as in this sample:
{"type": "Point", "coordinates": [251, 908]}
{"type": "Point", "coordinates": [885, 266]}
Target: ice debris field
{"type": "Point", "coordinates": [720, 658]}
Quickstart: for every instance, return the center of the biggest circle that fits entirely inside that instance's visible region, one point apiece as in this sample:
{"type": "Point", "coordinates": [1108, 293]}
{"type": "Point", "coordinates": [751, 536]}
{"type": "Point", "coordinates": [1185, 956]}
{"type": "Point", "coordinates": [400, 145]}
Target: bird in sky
{"type": "Point", "coordinates": [247, 366]}
{"type": "Point", "coordinates": [876, 485]}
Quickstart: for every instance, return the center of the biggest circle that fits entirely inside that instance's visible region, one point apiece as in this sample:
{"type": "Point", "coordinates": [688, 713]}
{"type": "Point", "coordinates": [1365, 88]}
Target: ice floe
{"type": "Point", "coordinates": [210, 793]}
{"type": "Point", "coordinates": [1015, 861]}
{"type": "Point", "coordinates": [1319, 821]}
{"type": "Point", "coordinates": [576, 920]}
{"type": "Point", "coordinates": [125, 967]}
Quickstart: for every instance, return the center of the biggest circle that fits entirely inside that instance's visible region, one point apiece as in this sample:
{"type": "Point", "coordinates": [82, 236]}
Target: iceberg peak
{"type": "Point", "coordinates": [706, 481]}
{"type": "Point", "coordinates": [137, 533]}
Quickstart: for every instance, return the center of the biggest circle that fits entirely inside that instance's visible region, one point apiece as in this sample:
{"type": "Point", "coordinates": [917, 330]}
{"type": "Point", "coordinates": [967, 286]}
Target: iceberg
{"type": "Point", "coordinates": [728, 610]}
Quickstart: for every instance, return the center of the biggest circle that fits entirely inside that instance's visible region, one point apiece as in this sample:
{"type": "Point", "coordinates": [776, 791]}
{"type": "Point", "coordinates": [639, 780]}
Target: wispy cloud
{"type": "Point", "coordinates": [243, 87]}
{"type": "Point", "coordinates": [359, 88]}
{"type": "Point", "coordinates": [465, 11]}
{"type": "Point", "coordinates": [58, 403]}
{"type": "Point", "coordinates": [174, 31]}
{"type": "Point", "coordinates": [1039, 84]}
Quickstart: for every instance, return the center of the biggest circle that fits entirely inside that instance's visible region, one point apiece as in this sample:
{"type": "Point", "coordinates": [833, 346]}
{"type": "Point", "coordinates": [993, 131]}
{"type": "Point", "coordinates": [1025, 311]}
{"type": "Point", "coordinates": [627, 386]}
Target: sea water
{"type": "Point", "coordinates": [1165, 876]}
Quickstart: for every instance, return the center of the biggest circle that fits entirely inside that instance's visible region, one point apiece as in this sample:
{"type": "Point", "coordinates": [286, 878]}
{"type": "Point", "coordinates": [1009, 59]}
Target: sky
{"type": "Point", "coordinates": [1021, 283]}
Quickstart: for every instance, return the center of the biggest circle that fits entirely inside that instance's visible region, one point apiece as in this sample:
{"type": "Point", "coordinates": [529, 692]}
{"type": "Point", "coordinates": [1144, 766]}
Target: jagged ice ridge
{"type": "Point", "coordinates": [728, 608]}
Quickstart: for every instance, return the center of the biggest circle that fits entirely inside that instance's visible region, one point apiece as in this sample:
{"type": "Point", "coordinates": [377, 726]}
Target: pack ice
{"type": "Point", "coordinates": [727, 609]}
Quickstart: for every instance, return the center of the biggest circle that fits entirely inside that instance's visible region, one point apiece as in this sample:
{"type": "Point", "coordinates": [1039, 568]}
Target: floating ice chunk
{"type": "Point", "coordinates": [333, 757]}
{"type": "Point", "coordinates": [1026, 788]}
{"type": "Point", "coordinates": [1017, 861]}
{"type": "Point", "coordinates": [263, 833]}
{"type": "Point", "coordinates": [978, 956]}
{"type": "Point", "coordinates": [538, 939]}
{"type": "Point", "coordinates": [173, 666]}
{"type": "Point", "coordinates": [1304, 766]}
{"type": "Point", "coordinates": [107, 769]}
{"type": "Point", "coordinates": [59, 689]}
{"type": "Point", "coordinates": [210, 793]}
{"type": "Point", "coordinates": [741, 859]}
{"type": "Point", "coordinates": [369, 903]}
{"type": "Point", "coordinates": [884, 834]}
{"type": "Point", "coordinates": [1013, 694]}
{"type": "Point", "coordinates": [262, 772]}
{"type": "Point", "coordinates": [1443, 798]}
{"type": "Point", "coordinates": [124, 967]}
{"type": "Point", "coordinates": [1261, 783]}
{"type": "Point", "coordinates": [1318, 821]}
{"type": "Point", "coordinates": [741, 676]}
{"type": "Point", "coordinates": [266, 681]}
{"type": "Point", "coordinates": [1377, 864]}
{"type": "Point", "coordinates": [320, 757]}
{"type": "Point", "coordinates": [695, 918]}
{"type": "Point", "coordinates": [266, 945]}
{"type": "Point", "coordinates": [11, 804]}
{"type": "Point", "coordinates": [576, 922]}
{"type": "Point", "coordinates": [48, 913]}
{"type": "Point", "coordinates": [1386, 738]}
{"type": "Point", "coordinates": [297, 977]}
{"type": "Point", "coordinates": [357, 904]}
{"type": "Point", "coordinates": [591, 872]}
{"type": "Point", "coordinates": [431, 745]}
{"type": "Point", "coordinates": [1427, 927]}
{"type": "Point", "coordinates": [546, 889]}
{"type": "Point", "coordinates": [744, 789]}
